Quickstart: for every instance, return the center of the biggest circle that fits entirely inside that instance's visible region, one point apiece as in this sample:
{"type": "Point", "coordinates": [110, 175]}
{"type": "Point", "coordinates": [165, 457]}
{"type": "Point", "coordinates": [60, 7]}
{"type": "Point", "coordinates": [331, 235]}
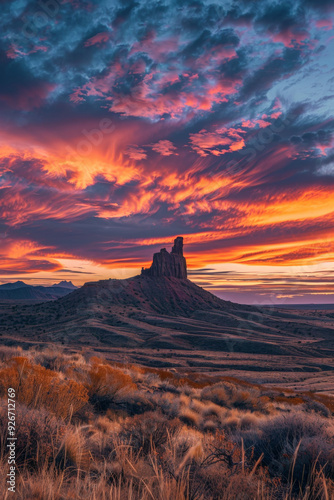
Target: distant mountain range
{"type": "Point", "coordinates": [21, 291]}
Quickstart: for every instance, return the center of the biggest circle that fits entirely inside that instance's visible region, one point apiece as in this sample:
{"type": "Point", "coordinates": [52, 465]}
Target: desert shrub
{"type": "Point", "coordinates": [38, 387]}
{"type": "Point", "coordinates": [248, 421]}
{"type": "Point", "coordinates": [229, 395]}
{"type": "Point", "coordinates": [189, 417]}
{"type": "Point", "coordinates": [312, 405]}
{"type": "Point", "coordinates": [168, 403]}
{"type": "Point", "coordinates": [171, 379]}
{"type": "Point", "coordinates": [7, 352]}
{"type": "Point", "coordinates": [168, 386]}
{"type": "Point", "coordinates": [210, 425]}
{"type": "Point", "coordinates": [67, 398]}
{"type": "Point", "coordinates": [104, 424]}
{"type": "Point", "coordinates": [244, 486]}
{"type": "Point", "coordinates": [234, 419]}
{"type": "Point", "coordinates": [52, 359]}
{"type": "Point", "coordinates": [107, 385]}
{"type": "Point", "coordinates": [295, 438]}
{"type": "Point", "coordinates": [69, 366]}
{"type": "Point", "coordinates": [211, 410]}
{"type": "Point", "coordinates": [73, 453]}
{"type": "Point", "coordinates": [216, 393]}
{"type": "Point", "coordinates": [220, 482]}
{"type": "Point", "coordinates": [38, 433]}
{"type": "Point", "coordinates": [185, 437]}
{"type": "Point", "coordinates": [325, 399]}
{"type": "Point", "coordinates": [220, 463]}
{"type": "Point", "coordinates": [28, 381]}
{"type": "Point", "coordinates": [148, 430]}
{"type": "Point", "coordinates": [135, 402]}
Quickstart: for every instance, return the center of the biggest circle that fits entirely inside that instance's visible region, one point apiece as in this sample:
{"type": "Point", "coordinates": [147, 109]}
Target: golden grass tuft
{"type": "Point", "coordinates": [38, 387]}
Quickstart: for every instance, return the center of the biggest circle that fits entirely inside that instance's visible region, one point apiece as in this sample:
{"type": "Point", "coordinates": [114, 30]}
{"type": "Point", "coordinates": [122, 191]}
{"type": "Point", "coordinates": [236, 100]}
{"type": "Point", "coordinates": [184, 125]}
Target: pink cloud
{"type": "Point", "coordinates": [248, 124]}
{"type": "Point", "coordinates": [277, 104]}
{"type": "Point", "coordinates": [98, 86]}
{"type": "Point", "coordinates": [14, 52]}
{"type": "Point", "coordinates": [148, 100]}
{"type": "Point", "coordinates": [227, 139]}
{"type": "Point", "coordinates": [154, 96]}
{"type": "Point", "coordinates": [219, 90]}
{"type": "Point", "coordinates": [98, 39]}
{"type": "Point", "coordinates": [263, 123]}
{"type": "Point", "coordinates": [138, 67]}
{"type": "Point", "coordinates": [216, 56]}
{"type": "Point", "coordinates": [290, 38]}
{"type": "Point", "coordinates": [43, 48]}
{"type": "Point", "coordinates": [165, 148]}
{"type": "Point", "coordinates": [325, 24]}
{"type": "Point", "coordinates": [253, 123]}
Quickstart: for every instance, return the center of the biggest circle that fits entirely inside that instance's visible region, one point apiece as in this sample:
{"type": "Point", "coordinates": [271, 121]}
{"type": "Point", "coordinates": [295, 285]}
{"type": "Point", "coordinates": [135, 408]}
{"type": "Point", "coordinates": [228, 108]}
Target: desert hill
{"type": "Point", "coordinates": [161, 318]}
{"type": "Point", "coordinates": [163, 295]}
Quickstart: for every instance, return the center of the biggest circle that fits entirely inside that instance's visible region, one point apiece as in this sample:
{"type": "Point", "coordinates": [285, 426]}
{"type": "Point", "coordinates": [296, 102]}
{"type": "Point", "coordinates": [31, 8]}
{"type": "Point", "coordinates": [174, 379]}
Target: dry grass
{"type": "Point", "coordinates": [87, 429]}
{"type": "Point", "coordinates": [36, 387]}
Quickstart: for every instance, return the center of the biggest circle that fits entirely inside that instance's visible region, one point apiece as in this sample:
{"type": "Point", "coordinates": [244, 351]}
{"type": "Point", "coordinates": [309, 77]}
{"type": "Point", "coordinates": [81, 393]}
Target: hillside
{"type": "Point", "coordinates": [163, 295]}
{"type": "Point", "coordinates": [159, 319]}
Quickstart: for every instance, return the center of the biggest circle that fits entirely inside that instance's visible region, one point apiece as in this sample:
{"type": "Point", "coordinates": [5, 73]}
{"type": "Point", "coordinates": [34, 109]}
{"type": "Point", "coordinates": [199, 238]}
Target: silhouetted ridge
{"type": "Point", "coordinates": [21, 291]}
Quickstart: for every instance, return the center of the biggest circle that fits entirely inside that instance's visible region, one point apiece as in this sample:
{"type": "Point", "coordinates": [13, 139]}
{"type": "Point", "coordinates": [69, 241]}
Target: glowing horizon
{"type": "Point", "coordinates": [214, 123]}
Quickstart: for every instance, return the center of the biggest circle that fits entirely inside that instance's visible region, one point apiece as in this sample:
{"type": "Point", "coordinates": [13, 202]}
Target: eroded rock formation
{"type": "Point", "coordinates": [169, 264]}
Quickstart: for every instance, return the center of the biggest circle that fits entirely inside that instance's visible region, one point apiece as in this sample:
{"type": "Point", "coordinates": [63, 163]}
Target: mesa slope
{"type": "Point", "coordinates": [169, 321]}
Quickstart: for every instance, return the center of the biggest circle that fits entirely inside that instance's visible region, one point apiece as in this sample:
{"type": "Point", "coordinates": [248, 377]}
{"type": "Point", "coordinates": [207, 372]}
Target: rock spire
{"type": "Point", "coordinates": [168, 264]}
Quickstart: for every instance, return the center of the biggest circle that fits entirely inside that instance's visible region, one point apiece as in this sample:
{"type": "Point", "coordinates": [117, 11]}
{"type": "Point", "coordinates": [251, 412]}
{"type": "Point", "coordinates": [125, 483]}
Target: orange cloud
{"type": "Point", "coordinates": [22, 257]}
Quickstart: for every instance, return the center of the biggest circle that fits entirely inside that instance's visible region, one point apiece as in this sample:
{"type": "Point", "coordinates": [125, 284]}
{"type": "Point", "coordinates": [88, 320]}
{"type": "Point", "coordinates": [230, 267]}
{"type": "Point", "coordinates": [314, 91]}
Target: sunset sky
{"type": "Point", "coordinates": [124, 124]}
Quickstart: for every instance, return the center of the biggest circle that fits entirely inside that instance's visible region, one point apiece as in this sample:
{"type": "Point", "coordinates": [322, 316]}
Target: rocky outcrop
{"type": "Point", "coordinates": [169, 264]}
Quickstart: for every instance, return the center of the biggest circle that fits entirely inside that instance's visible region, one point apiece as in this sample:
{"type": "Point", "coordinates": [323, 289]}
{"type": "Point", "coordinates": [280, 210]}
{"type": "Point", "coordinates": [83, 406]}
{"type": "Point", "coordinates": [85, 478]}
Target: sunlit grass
{"type": "Point", "coordinates": [90, 429]}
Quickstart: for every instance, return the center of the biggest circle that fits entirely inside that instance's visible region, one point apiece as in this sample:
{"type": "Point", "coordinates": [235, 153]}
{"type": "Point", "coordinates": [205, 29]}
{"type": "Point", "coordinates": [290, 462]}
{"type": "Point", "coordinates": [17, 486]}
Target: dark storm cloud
{"type": "Point", "coordinates": [278, 17]}
{"type": "Point", "coordinates": [323, 5]}
{"type": "Point", "coordinates": [19, 87]}
{"type": "Point", "coordinates": [207, 40]}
